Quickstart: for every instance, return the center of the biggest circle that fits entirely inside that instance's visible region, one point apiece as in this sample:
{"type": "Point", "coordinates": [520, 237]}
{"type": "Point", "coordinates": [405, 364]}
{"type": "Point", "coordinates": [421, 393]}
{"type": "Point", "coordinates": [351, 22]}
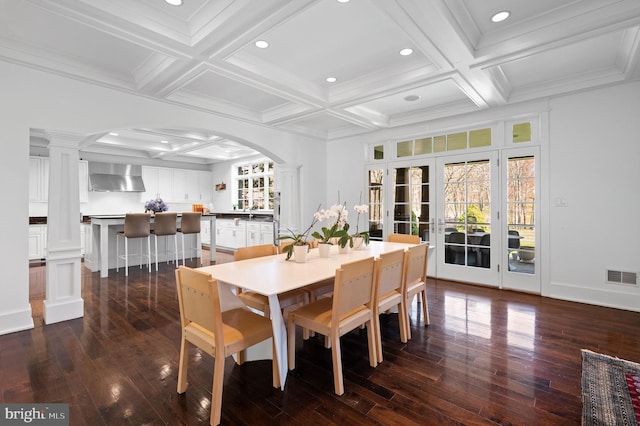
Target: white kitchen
{"type": "Point", "coordinates": [182, 189]}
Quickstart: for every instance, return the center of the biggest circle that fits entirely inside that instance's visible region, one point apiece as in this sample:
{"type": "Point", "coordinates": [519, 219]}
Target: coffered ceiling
{"type": "Point", "coordinates": [203, 55]}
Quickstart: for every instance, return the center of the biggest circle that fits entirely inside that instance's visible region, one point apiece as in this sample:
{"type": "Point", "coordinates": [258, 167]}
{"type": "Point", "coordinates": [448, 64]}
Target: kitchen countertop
{"type": "Point", "coordinates": [86, 219]}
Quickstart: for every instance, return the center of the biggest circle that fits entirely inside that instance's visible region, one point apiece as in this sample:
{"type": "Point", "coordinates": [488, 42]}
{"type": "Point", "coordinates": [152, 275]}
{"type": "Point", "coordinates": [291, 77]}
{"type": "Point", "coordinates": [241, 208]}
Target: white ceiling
{"type": "Point", "coordinates": [202, 54]}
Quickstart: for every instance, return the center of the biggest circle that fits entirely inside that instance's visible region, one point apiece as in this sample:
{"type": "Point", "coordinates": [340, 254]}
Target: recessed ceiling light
{"type": "Point", "coordinates": [343, 1]}
{"type": "Point", "coordinates": [174, 2]}
{"type": "Point", "coordinates": [164, 141]}
{"type": "Point", "coordinates": [331, 79]}
{"type": "Point", "coordinates": [262, 44]}
{"type": "Point", "coordinates": [411, 98]}
{"type": "Point", "coordinates": [113, 134]}
{"type": "Point", "coordinates": [500, 16]}
{"type": "Point", "coordinates": [406, 52]}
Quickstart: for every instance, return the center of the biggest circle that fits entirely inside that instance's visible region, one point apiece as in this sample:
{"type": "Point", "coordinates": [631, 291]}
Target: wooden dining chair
{"type": "Point", "coordinates": [217, 333]}
{"type": "Point", "coordinates": [389, 293]}
{"type": "Point", "coordinates": [350, 307]}
{"type": "Point", "coordinates": [259, 301]}
{"type": "Point", "coordinates": [403, 238]}
{"type": "Point", "coordinates": [415, 282]}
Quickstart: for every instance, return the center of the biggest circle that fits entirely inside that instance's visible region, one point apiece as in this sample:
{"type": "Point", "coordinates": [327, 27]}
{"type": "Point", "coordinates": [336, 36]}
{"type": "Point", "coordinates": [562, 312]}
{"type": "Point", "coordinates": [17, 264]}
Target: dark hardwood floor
{"type": "Point", "coordinates": [488, 357]}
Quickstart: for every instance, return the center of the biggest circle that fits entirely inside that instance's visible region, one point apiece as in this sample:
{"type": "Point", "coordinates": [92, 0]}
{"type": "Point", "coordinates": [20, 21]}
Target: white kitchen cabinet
{"type": "Point", "coordinates": [205, 232]}
{"type": "Point", "coordinates": [180, 186]}
{"type": "Point", "coordinates": [266, 232]}
{"type": "Point", "coordinates": [176, 185]}
{"type": "Point", "coordinates": [205, 187]}
{"type": "Point", "coordinates": [254, 237]}
{"type": "Point", "coordinates": [38, 179]}
{"type": "Point", "coordinates": [192, 186]}
{"type": "Point", "coordinates": [37, 241]}
{"type": "Point", "coordinates": [234, 234]}
{"type": "Point", "coordinates": [230, 234]}
{"type": "Point", "coordinates": [158, 182]}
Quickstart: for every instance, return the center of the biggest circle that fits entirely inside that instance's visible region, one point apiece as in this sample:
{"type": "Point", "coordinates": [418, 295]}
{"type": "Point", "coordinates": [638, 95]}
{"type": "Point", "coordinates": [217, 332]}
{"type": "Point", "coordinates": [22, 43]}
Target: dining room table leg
{"type": "Point", "coordinates": [279, 340]}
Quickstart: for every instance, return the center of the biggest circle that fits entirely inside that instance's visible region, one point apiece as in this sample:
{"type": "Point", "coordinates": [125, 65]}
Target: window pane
{"type": "Point", "coordinates": [440, 143]}
{"type": "Point", "coordinates": [251, 182]}
{"type": "Point", "coordinates": [478, 138]}
{"type": "Point", "coordinates": [423, 146]}
{"type": "Point", "coordinates": [521, 214]}
{"type": "Point", "coordinates": [522, 132]}
{"type": "Point", "coordinates": [375, 204]}
{"type": "Point", "coordinates": [467, 213]}
{"type": "Point", "coordinates": [378, 152]}
{"type": "Point", "coordinates": [456, 141]}
{"type": "Point", "coordinates": [405, 149]}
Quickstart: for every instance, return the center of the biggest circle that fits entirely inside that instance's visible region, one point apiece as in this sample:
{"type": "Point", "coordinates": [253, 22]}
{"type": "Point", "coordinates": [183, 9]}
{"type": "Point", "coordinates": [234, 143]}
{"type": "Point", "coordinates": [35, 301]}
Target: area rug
{"type": "Point", "coordinates": [610, 390]}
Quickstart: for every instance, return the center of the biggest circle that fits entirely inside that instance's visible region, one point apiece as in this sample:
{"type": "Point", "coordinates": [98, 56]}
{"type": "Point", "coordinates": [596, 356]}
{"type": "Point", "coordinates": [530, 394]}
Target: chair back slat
{"type": "Point", "coordinates": [353, 287]}
{"type": "Point", "coordinates": [403, 238]}
{"type": "Point", "coordinates": [390, 267]}
{"type": "Point", "coordinates": [254, 251]}
{"type": "Point", "coordinates": [199, 300]}
{"type": "Point", "coordinates": [416, 264]}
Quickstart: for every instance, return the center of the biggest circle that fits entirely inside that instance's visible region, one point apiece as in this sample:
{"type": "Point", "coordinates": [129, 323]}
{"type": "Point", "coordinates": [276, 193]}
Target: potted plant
{"type": "Point", "coordinates": [299, 240]}
{"type": "Point", "coordinates": [360, 238]}
{"type": "Point", "coordinates": [335, 231]}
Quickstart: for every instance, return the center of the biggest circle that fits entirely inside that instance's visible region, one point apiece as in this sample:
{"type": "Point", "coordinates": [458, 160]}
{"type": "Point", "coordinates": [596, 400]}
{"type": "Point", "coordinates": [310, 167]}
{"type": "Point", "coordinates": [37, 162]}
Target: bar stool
{"type": "Point", "coordinates": [191, 225]}
{"type": "Point", "coordinates": [164, 225]}
{"type": "Point", "coordinates": [136, 225]}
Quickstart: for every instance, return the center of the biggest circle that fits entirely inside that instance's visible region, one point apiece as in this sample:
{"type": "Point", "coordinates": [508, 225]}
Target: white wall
{"type": "Point", "coordinates": [592, 159]}
{"type": "Point", "coordinates": [594, 164]}
{"type": "Point", "coordinates": [33, 99]}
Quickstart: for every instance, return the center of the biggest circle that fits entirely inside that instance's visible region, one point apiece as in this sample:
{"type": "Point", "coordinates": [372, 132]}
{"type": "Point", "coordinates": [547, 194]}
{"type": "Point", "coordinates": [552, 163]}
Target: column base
{"type": "Point", "coordinates": [62, 310]}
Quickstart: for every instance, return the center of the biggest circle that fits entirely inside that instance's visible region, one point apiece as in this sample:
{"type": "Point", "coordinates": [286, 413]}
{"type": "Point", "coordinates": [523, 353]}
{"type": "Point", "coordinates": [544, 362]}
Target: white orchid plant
{"type": "Point", "coordinates": [339, 226]}
{"type": "Point", "coordinates": [360, 209]}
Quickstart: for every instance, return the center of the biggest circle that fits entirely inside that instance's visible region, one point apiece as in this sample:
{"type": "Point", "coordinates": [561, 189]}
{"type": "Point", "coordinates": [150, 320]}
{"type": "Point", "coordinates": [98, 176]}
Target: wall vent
{"type": "Point", "coordinates": [622, 277]}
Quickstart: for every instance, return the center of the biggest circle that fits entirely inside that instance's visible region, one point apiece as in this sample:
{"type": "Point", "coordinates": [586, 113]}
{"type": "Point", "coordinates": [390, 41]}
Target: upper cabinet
{"type": "Point", "coordinates": [38, 179]}
{"type": "Point", "coordinates": [177, 185]}
{"type": "Point", "coordinates": [158, 183]}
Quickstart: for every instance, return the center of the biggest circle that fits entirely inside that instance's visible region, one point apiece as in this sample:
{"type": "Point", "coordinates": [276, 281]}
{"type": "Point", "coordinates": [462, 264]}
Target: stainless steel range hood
{"type": "Point", "coordinates": [107, 177]}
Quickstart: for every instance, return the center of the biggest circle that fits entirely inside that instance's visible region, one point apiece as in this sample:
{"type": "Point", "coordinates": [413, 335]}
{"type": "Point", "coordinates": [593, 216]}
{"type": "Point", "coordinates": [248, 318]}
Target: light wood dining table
{"type": "Point", "coordinates": [272, 275]}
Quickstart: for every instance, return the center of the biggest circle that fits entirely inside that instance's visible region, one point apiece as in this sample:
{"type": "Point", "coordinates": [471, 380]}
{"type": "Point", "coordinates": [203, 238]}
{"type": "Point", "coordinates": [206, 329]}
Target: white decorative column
{"type": "Point", "coordinates": [63, 288]}
{"type": "Point", "coordinates": [288, 181]}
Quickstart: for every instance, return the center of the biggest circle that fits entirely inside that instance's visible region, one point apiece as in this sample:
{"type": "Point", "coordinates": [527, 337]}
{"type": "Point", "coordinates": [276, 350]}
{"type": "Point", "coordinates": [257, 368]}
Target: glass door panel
{"type": "Point", "coordinates": [521, 247]}
{"type": "Point", "coordinates": [411, 201]}
{"type": "Point", "coordinates": [376, 203]}
{"type": "Point", "coordinates": [467, 195]}
{"type": "Point", "coordinates": [466, 198]}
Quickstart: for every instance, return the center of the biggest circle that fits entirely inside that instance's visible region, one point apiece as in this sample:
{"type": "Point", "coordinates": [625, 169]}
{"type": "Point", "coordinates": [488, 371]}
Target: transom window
{"type": "Point", "coordinates": [254, 185]}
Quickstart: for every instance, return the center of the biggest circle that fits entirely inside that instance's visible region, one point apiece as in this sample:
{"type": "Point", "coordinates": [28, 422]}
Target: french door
{"type": "Point", "coordinates": [467, 229]}
{"type": "Point", "coordinates": [479, 211]}
{"type": "Point", "coordinates": [410, 210]}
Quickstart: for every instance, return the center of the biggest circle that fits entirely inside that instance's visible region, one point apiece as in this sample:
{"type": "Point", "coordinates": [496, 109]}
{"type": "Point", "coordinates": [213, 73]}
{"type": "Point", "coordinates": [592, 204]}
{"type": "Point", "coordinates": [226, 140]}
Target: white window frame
{"type": "Point", "coordinates": [266, 174]}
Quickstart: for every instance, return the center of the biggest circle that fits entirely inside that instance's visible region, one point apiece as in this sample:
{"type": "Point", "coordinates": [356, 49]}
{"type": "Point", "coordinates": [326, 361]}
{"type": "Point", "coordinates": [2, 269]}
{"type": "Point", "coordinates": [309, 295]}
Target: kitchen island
{"type": "Point", "coordinates": [102, 255]}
